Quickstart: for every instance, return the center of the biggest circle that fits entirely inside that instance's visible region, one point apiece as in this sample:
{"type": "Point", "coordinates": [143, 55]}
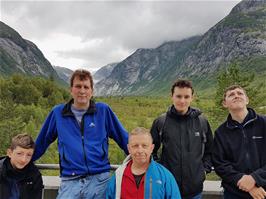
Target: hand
{"type": "Point", "coordinates": [246, 183]}
{"type": "Point", "coordinates": [257, 193]}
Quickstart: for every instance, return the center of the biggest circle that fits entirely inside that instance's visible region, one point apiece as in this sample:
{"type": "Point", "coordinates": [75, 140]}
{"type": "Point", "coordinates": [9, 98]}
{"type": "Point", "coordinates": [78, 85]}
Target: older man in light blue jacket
{"type": "Point", "coordinates": [140, 176]}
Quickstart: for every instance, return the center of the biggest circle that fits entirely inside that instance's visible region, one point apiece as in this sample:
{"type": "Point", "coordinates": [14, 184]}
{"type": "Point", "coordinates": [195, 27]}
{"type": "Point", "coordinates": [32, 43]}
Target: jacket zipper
{"type": "Point", "coordinates": [83, 144]}
{"type": "Point", "coordinates": [247, 157]}
{"type": "Point", "coordinates": [246, 142]}
{"type": "Point", "coordinates": [181, 165]}
{"type": "Point", "coordinates": [150, 188]}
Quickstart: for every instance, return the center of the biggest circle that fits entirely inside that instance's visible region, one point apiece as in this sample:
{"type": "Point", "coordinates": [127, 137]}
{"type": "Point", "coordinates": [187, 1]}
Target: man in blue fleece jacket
{"type": "Point", "coordinates": [82, 129]}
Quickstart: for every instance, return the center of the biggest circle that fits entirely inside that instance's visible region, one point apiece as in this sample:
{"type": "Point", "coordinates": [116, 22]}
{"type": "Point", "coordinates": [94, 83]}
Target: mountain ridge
{"type": "Point", "coordinates": [240, 36]}
{"type": "Point", "coordinates": [22, 56]}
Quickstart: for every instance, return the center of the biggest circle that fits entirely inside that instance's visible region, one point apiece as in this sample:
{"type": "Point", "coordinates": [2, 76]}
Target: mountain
{"type": "Point", "coordinates": [63, 73]}
{"type": "Point", "coordinates": [19, 55]}
{"type": "Point", "coordinates": [103, 72]}
{"type": "Point", "coordinates": [240, 36]}
{"type": "Point", "coordinates": [140, 72]}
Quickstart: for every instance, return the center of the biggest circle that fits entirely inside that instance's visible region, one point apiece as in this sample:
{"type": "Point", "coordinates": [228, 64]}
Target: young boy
{"type": "Point", "coordinates": [19, 177]}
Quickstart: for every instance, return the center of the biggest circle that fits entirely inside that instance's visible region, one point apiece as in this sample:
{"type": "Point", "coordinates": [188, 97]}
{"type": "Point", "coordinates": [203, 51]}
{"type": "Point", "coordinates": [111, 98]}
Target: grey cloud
{"type": "Point", "coordinates": [104, 54]}
{"type": "Point", "coordinates": [125, 25]}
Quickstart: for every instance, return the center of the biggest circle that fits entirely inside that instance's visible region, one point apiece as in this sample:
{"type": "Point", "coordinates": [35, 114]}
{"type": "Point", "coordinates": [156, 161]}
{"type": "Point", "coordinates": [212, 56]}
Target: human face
{"type": "Point", "coordinates": [140, 148]}
{"type": "Point", "coordinates": [235, 100]}
{"type": "Point", "coordinates": [20, 157]}
{"type": "Point", "coordinates": [81, 92]}
{"type": "Point", "coordinates": [182, 98]}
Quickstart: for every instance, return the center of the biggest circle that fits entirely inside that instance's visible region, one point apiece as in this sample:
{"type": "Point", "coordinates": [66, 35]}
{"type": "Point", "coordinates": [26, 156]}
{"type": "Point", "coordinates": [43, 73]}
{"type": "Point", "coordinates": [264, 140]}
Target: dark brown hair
{"type": "Point", "coordinates": [22, 140]}
{"type": "Point", "coordinates": [83, 75]}
{"type": "Point", "coordinates": [233, 87]}
{"type": "Point", "coordinates": [182, 84]}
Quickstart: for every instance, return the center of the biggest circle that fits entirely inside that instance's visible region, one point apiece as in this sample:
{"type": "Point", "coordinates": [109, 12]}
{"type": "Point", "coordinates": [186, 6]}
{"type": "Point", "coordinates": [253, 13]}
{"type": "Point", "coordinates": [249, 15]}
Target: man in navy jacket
{"type": "Point", "coordinates": [239, 148]}
{"type": "Point", "coordinates": [82, 128]}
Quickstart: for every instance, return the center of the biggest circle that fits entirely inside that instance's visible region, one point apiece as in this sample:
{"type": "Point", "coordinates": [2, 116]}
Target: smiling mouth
{"type": "Point", "coordinates": [21, 166]}
{"type": "Point", "coordinates": [140, 157]}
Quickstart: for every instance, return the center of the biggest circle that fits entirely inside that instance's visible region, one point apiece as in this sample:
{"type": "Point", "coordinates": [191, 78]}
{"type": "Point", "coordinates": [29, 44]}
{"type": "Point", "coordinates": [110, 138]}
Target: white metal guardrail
{"type": "Point", "coordinates": [211, 190]}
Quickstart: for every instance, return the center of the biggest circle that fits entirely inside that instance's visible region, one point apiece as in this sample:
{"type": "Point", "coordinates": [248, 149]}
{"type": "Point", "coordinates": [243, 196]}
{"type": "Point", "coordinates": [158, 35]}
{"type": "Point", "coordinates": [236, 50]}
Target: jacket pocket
{"type": "Point", "coordinates": [196, 172]}
{"type": "Point", "coordinates": [104, 146]}
{"type": "Point", "coordinates": [194, 142]}
{"type": "Point", "coordinates": [63, 157]}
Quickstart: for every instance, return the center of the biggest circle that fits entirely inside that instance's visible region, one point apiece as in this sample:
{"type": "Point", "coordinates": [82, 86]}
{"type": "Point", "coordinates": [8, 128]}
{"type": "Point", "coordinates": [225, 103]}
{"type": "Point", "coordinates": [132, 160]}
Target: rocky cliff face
{"type": "Point", "coordinates": [63, 73]}
{"type": "Point", "coordinates": [103, 72]}
{"type": "Point", "coordinates": [22, 56]}
{"type": "Point", "coordinates": [239, 36]}
{"type": "Point", "coordinates": [138, 72]}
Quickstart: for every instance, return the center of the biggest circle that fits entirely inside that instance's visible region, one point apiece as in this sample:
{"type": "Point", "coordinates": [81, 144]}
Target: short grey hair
{"type": "Point", "coordinates": [140, 131]}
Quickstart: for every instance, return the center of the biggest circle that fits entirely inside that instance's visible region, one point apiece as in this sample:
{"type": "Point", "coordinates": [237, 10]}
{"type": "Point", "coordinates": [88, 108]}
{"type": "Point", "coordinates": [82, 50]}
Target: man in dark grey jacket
{"type": "Point", "coordinates": [186, 140]}
{"type": "Point", "coordinates": [239, 148]}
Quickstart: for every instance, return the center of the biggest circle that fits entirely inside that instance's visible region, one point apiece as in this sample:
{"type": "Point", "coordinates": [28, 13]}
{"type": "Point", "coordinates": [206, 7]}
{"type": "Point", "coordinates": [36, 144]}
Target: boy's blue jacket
{"type": "Point", "coordinates": [159, 182]}
{"type": "Point", "coordinates": [83, 150]}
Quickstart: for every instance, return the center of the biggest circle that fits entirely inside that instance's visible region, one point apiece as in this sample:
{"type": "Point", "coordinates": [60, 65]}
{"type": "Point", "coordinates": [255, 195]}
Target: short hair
{"type": "Point", "coordinates": [83, 75]}
{"type": "Point", "coordinates": [181, 83]}
{"type": "Point", "coordinates": [233, 87]}
{"type": "Point", "coordinates": [22, 140]}
{"type": "Point", "coordinates": [140, 131]}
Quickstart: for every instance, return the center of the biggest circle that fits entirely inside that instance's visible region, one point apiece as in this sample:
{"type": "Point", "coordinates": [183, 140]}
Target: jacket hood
{"type": "Point", "coordinates": [192, 112]}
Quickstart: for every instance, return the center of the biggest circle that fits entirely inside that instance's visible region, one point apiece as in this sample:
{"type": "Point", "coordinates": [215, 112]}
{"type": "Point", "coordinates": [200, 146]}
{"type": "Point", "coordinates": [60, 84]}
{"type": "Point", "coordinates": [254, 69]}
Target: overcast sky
{"type": "Point", "coordinates": [91, 34]}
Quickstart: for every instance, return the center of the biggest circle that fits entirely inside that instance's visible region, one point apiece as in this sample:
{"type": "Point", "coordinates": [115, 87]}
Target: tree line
{"type": "Point", "coordinates": [25, 102]}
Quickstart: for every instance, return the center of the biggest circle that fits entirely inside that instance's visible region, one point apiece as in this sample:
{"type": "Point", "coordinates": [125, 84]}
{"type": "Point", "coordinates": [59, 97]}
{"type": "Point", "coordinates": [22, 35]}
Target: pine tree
{"type": "Point", "coordinates": [234, 76]}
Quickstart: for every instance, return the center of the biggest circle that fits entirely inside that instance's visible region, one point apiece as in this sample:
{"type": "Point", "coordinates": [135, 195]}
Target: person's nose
{"type": "Point", "coordinates": [24, 159]}
{"type": "Point", "coordinates": [82, 90]}
{"type": "Point", "coordinates": [237, 95]}
{"type": "Point", "coordinates": [140, 149]}
{"type": "Point", "coordinates": [182, 99]}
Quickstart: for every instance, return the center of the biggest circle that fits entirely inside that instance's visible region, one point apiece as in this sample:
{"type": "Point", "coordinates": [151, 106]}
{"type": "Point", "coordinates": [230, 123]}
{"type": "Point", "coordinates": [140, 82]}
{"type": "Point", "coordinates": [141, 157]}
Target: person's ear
{"type": "Point", "coordinates": [8, 152]}
{"type": "Point", "coordinates": [152, 147]}
{"type": "Point", "coordinates": [247, 100]}
{"type": "Point", "coordinates": [171, 95]}
{"type": "Point", "coordinates": [224, 104]}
